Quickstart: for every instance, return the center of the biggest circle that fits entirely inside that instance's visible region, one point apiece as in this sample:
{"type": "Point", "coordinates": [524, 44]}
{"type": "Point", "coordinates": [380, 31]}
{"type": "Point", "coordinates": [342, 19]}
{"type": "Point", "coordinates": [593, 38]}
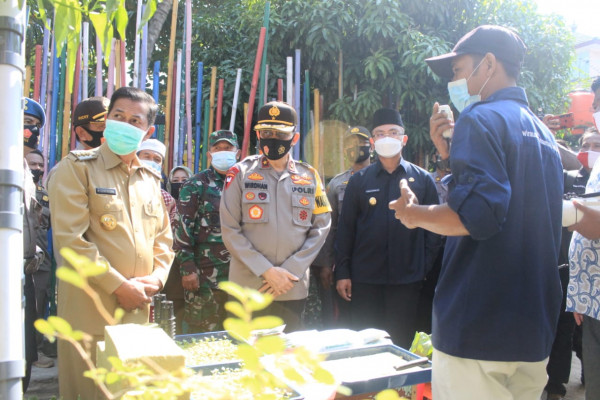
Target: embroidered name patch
{"type": "Point", "coordinates": [110, 191]}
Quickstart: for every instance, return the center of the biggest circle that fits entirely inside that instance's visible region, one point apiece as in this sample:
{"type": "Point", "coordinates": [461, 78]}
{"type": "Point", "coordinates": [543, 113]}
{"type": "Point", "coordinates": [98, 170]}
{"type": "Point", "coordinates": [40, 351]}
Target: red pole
{"type": "Point", "coordinates": [279, 89]}
{"type": "Point", "coordinates": [75, 100]}
{"type": "Point", "coordinates": [37, 73]}
{"type": "Point", "coordinates": [257, 61]}
{"type": "Point", "coordinates": [220, 103]}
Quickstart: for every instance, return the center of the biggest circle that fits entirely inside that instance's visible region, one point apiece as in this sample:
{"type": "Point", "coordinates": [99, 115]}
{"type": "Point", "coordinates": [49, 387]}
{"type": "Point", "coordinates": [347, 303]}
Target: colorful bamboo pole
{"type": "Point", "coordinates": [37, 73]}
{"type": "Point", "coordinates": [188, 81]}
{"type": "Point", "coordinates": [85, 52]}
{"type": "Point", "coordinates": [136, 49]}
{"type": "Point", "coordinates": [305, 116]}
{"type": "Point", "coordinates": [213, 89]}
{"type": "Point", "coordinates": [171, 146]}
{"type": "Point", "coordinates": [54, 89]}
{"type": "Point", "coordinates": [279, 89]}
{"type": "Point", "coordinates": [144, 58]}
{"type": "Point", "coordinates": [245, 109]}
{"type": "Point", "coordinates": [48, 93]}
{"type": "Point", "coordinates": [76, 88]}
{"type": "Point", "coordinates": [198, 126]}
{"type": "Point", "coordinates": [111, 70]}
{"type": "Point", "coordinates": [316, 132]}
{"type": "Point", "coordinates": [60, 105]}
{"type": "Point", "coordinates": [176, 116]}
{"type": "Point", "coordinates": [246, 142]}
{"type": "Point", "coordinates": [263, 67]}
{"type": "Point", "coordinates": [44, 79]}
{"type": "Point", "coordinates": [123, 64]}
{"type": "Point", "coordinates": [27, 83]}
{"type": "Point", "coordinates": [99, 59]}
{"type": "Point", "coordinates": [236, 93]}
{"type": "Point", "coordinates": [266, 88]}
{"type": "Point", "coordinates": [170, 72]}
{"type": "Point", "coordinates": [289, 88]}
{"type": "Point", "coordinates": [66, 121]}
{"type": "Point", "coordinates": [296, 149]}
{"type": "Point", "coordinates": [206, 133]}
{"type": "Point", "coordinates": [220, 104]}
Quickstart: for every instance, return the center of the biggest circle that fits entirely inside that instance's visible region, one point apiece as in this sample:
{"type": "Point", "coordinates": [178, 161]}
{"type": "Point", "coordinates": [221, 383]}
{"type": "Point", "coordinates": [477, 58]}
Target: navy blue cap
{"type": "Point", "coordinates": [33, 108]}
{"type": "Point", "coordinates": [502, 42]}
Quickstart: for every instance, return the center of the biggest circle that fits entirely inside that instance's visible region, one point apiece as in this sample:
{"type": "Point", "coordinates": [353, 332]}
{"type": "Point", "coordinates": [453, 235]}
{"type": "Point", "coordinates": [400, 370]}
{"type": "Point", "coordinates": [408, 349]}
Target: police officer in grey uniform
{"type": "Point", "coordinates": [275, 217]}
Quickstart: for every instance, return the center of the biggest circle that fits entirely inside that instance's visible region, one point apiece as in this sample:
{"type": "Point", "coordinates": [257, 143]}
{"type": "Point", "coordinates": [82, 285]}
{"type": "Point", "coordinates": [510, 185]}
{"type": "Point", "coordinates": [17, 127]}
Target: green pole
{"type": "Point", "coordinates": [61, 103]}
{"type": "Point", "coordinates": [206, 134]}
{"type": "Point", "coordinates": [263, 65]}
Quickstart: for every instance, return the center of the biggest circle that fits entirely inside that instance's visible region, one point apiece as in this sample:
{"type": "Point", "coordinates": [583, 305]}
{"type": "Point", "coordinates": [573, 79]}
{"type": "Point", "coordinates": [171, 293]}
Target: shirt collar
{"type": "Point", "coordinates": [402, 163]}
{"type": "Point", "coordinates": [509, 93]}
{"type": "Point", "coordinates": [291, 167]}
{"type": "Point", "coordinates": [111, 160]}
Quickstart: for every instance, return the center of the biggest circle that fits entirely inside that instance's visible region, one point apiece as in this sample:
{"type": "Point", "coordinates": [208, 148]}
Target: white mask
{"type": "Point", "coordinates": [388, 147]}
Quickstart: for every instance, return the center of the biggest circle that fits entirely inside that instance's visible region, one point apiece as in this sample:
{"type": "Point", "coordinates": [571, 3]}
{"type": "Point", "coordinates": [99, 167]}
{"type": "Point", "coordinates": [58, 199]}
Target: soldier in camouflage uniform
{"type": "Point", "coordinates": [203, 258]}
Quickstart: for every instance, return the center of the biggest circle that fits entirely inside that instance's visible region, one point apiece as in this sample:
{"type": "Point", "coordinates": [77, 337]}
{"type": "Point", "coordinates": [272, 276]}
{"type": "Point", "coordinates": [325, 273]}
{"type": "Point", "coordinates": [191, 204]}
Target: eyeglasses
{"type": "Point", "coordinates": [395, 133]}
{"type": "Point", "coordinates": [271, 134]}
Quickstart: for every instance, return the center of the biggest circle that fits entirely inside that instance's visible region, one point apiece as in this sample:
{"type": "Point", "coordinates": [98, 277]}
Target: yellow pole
{"type": "Point", "coordinates": [316, 131]}
{"type": "Point", "coordinates": [170, 74]}
{"type": "Point", "coordinates": [27, 82]}
{"type": "Point", "coordinates": [213, 85]}
{"type": "Point", "coordinates": [245, 120]}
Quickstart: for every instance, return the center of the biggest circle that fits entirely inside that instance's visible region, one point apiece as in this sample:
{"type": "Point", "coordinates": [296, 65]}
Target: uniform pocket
{"type": "Point", "coordinates": [302, 207]}
{"type": "Point", "coordinates": [105, 204]}
{"type": "Point", "coordinates": [255, 206]}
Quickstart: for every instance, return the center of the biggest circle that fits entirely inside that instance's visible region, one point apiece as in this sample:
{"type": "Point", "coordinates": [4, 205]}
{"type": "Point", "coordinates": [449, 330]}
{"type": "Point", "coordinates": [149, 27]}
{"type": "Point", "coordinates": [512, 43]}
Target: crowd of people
{"type": "Point", "coordinates": [482, 231]}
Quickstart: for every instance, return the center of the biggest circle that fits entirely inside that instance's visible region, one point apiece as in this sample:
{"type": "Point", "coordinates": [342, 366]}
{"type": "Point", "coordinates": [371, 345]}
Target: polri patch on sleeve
{"type": "Point", "coordinates": [233, 171]}
{"type": "Point", "coordinates": [110, 191]}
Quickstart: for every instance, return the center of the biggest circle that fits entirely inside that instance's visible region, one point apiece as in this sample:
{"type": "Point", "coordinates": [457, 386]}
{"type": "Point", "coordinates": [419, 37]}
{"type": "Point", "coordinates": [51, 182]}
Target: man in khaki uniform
{"type": "Point", "coordinates": [106, 205]}
{"type": "Point", "coordinates": [275, 216]}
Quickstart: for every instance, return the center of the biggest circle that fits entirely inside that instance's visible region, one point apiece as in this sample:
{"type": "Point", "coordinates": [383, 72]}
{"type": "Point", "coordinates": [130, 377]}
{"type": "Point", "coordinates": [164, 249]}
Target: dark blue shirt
{"type": "Point", "coordinates": [498, 295]}
{"type": "Point", "coordinates": [372, 246]}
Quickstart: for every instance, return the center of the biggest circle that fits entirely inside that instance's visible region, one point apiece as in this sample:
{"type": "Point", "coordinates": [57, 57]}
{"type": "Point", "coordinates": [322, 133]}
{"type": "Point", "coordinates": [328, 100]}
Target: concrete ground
{"type": "Point", "coordinates": [44, 383]}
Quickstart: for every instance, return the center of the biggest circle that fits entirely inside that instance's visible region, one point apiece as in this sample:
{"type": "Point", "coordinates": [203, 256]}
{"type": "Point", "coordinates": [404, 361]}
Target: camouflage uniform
{"type": "Point", "coordinates": [200, 250]}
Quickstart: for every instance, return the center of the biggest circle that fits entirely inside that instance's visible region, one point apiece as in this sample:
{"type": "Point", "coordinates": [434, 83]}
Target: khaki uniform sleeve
{"type": "Point", "coordinates": [163, 249]}
{"type": "Point", "coordinates": [68, 190]}
{"type": "Point", "coordinates": [233, 237]}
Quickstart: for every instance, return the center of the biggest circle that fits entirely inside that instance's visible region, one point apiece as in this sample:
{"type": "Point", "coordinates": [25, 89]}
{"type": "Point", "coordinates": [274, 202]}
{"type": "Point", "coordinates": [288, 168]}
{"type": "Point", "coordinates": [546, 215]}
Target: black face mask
{"type": "Point", "coordinates": [358, 154]}
{"type": "Point", "coordinates": [31, 136]}
{"type": "Point", "coordinates": [274, 149]}
{"type": "Point", "coordinates": [37, 174]}
{"type": "Point", "coordinates": [96, 137]}
{"type": "Point", "coordinates": [175, 188]}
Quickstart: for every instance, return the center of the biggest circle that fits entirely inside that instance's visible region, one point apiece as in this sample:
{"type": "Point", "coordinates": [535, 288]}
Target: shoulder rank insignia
{"type": "Point", "coordinates": [85, 155]}
{"type": "Point", "coordinates": [255, 177]}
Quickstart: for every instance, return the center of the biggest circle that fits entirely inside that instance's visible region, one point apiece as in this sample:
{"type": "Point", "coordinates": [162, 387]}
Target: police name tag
{"type": "Point", "coordinates": [110, 191]}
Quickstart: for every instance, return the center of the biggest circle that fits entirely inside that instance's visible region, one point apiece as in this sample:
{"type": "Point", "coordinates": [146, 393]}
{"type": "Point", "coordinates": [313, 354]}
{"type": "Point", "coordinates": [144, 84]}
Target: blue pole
{"type": "Point", "coordinates": [53, 113]}
{"type": "Point", "coordinates": [198, 118]}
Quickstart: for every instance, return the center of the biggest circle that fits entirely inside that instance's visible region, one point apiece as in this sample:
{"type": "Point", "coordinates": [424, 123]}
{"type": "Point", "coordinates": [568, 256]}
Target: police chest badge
{"type": "Point", "coordinates": [108, 222]}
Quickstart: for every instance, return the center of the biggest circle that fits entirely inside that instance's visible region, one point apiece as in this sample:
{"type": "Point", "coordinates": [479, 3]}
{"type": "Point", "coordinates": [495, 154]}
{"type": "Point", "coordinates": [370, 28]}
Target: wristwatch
{"type": "Point", "coordinates": [443, 164]}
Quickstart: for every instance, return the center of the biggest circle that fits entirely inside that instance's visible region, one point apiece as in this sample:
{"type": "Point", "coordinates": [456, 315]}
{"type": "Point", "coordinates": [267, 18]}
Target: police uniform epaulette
{"type": "Point", "coordinates": [84, 155]}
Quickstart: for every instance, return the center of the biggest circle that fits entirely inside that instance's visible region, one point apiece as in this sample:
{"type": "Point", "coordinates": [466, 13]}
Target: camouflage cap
{"type": "Point", "coordinates": [221, 135]}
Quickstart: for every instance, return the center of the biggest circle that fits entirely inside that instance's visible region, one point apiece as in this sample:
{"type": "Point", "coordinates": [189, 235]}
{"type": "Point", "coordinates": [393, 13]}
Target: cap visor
{"type": "Point", "coordinates": [230, 141]}
{"type": "Point", "coordinates": [281, 128]}
{"type": "Point", "coordinates": [442, 65]}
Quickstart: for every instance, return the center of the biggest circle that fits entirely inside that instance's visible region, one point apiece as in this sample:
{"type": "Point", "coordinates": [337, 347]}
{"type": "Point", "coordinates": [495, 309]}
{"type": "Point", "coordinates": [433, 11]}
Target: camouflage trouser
{"type": "Point", "coordinates": [204, 309]}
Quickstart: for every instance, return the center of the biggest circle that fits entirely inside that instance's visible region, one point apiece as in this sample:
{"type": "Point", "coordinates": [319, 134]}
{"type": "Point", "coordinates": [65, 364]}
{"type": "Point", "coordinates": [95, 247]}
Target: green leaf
{"type": "Point", "coordinates": [77, 335]}
{"type": "Point", "coordinates": [267, 322]}
{"type": "Point", "coordinates": [258, 301]}
{"type": "Point", "coordinates": [73, 258]}
{"type": "Point", "coordinates": [119, 312]}
{"type": "Point", "coordinates": [236, 309]}
{"type": "Point", "coordinates": [233, 289]}
{"type": "Point", "coordinates": [60, 325]}
{"type": "Point", "coordinates": [249, 355]}
{"type": "Point", "coordinates": [104, 31]}
{"type": "Point", "coordinates": [121, 20]}
{"type": "Point", "coordinates": [323, 376]}
{"type": "Point", "coordinates": [236, 328]}
{"type": "Point", "coordinates": [44, 327]}
{"type": "Point", "coordinates": [71, 276]}
{"type": "Point", "coordinates": [149, 11]}
{"type": "Point", "coordinates": [293, 375]}
{"type": "Point", "coordinates": [94, 269]}
{"type": "Point", "coordinates": [270, 344]}
{"type": "Point", "coordinates": [112, 377]}
{"type": "Point", "coordinates": [387, 394]}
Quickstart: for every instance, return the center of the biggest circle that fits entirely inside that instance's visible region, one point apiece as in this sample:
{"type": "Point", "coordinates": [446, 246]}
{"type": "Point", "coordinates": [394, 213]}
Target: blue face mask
{"type": "Point", "coordinates": [122, 138]}
{"type": "Point", "coordinates": [223, 160]}
{"type": "Point", "coordinates": [459, 92]}
{"type": "Point", "coordinates": [154, 165]}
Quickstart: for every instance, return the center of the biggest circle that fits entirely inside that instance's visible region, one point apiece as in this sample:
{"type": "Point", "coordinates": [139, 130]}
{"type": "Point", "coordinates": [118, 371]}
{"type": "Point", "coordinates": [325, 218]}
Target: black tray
{"type": "Point", "coordinates": [397, 380]}
{"type": "Point", "coordinates": [217, 335]}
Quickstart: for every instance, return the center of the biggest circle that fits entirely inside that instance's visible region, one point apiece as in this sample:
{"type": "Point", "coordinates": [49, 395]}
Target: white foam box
{"type": "Point", "coordinates": [132, 342]}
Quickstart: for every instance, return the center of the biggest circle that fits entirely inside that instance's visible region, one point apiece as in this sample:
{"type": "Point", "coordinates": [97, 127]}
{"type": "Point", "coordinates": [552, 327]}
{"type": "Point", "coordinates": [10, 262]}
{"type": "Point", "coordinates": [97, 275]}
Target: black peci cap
{"type": "Point", "coordinates": [385, 116]}
{"type": "Point", "coordinates": [503, 43]}
{"type": "Point", "coordinates": [277, 115]}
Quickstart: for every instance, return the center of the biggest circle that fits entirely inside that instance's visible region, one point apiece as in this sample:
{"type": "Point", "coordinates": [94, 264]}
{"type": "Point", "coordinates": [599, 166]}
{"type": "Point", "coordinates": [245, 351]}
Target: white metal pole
{"type": "Point", "coordinates": [136, 56]}
{"type": "Point", "coordinates": [289, 75]}
{"type": "Point", "coordinates": [236, 93]}
{"type": "Point", "coordinates": [86, 60]}
{"type": "Point", "coordinates": [176, 160]}
{"type": "Point", "coordinates": [12, 49]}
